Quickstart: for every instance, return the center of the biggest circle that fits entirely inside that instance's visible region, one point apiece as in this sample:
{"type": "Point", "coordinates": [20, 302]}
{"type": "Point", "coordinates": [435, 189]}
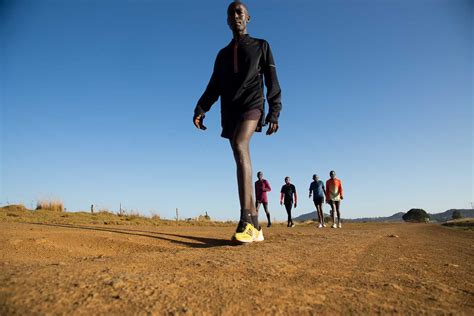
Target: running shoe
{"type": "Point", "coordinates": [339, 225]}
{"type": "Point", "coordinates": [320, 226]}
{"type": "Point", "coordinates": [324, 225]}
{"type": "Point", "coordinates": [269, 224]}
{"type": "Point", "coordinates": [292, 225]}
{"type": "Point", "coordinates": [245, 233]}
{"type": "Point", "coordinates": [259, 236]}
{"type": "Point", "coordinates": [334, 226]}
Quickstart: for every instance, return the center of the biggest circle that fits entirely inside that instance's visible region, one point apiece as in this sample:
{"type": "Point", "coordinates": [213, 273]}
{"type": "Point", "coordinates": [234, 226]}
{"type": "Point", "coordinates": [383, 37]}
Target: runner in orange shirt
{"type": "Point", "coordinates": [334, 195]}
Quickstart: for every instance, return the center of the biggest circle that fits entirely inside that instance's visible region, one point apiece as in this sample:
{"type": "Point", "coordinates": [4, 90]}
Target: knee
{"type": "Point", "coordinates": [240, 150]}
{"type": "Point", "coordinates": [239, 146]}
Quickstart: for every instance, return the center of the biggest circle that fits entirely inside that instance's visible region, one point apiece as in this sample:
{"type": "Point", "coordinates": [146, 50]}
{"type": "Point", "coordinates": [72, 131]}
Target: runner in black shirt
{"type": "Point", "coordinates": [240, 70]}
{"type": "Point", "coordinates": [288, 190]}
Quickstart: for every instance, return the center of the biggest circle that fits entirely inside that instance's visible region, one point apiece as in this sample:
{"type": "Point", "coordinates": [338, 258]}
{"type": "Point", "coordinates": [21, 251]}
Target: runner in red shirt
{"type": "Point", "coordinates": [261, 188]}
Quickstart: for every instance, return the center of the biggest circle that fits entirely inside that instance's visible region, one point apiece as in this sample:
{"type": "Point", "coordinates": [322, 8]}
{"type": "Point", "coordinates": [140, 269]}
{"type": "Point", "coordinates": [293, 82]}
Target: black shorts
{"type": "Point", "coordinates": [229, 122]}
{"type": "Point", "coordinates": [318, 200]}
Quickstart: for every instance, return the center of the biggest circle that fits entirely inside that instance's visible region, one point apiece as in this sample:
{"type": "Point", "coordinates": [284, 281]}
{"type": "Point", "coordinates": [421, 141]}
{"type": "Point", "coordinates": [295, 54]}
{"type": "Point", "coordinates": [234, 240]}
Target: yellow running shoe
{"type": "Point", "coordinates": [259, 236]}
{"type": "Point", "coordinates": [246, 233]}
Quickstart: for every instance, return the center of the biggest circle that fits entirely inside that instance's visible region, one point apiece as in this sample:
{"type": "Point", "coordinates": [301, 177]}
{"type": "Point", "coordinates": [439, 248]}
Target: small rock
{"type": "Point", "coordinates": [393, 236]}
{"type": "Point", "coordinates": [452, 265]}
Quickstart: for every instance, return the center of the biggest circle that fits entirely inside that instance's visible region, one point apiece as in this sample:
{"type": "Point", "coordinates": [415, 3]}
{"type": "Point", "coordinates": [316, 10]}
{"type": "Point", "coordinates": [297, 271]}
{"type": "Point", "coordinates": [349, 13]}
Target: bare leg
{"type": "Point", "coordinates": [320, 205]}
{"type": "Point", "coordinates": [240, 147]}
{"type": "Point", "coordinates": [320, 213]}
{"type": "Point", "coordinates": [317, 210]}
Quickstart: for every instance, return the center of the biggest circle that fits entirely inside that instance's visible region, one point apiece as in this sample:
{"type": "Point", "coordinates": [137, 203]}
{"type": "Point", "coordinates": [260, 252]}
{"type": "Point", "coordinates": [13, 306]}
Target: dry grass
{"type": "Point", "coordinates": [20, 214]}
{"type": "Point", "coordinates": [55, 206]}
{"type": "Point", "coordinates": [462, 223]}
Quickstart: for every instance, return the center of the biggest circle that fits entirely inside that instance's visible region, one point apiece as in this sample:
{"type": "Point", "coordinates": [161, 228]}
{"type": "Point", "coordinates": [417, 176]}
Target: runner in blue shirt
{"type": "Point", "coordinates": [317, 190]}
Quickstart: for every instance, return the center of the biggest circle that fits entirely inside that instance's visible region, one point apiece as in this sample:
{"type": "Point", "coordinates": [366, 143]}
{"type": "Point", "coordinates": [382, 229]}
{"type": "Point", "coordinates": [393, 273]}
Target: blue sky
{"type": "Point", "coordinates": [97, 100]}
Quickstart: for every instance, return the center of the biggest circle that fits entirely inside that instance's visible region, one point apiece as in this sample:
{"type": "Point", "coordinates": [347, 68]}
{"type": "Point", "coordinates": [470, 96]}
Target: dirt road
{"type": "Point", "coordinates": [78, 269]}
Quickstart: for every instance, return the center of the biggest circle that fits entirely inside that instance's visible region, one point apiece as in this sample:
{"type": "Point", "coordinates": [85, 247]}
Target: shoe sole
{"type": "Point", "coordinates": [241, 242]}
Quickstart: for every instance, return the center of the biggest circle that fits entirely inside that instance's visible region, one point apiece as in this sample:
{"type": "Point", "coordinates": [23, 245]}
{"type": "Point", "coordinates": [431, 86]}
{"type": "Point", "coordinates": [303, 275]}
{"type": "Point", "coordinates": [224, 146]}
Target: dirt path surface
{"type": "Point", "coordinates": [360, 269]}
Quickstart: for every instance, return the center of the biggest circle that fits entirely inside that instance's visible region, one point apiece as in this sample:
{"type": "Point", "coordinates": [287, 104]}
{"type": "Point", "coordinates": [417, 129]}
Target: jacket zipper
{"type": "Point", "coordinates": [236, 66]}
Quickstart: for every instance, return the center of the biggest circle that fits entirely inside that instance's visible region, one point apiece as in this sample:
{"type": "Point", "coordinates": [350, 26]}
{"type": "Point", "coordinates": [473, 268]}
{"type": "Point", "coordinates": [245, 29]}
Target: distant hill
{"type": "Point", "coordinates": [448, 215]}
{"type": "Point", "coordinates": [308, 217]}
{"type": "Point", "coordinates": [397, 217]}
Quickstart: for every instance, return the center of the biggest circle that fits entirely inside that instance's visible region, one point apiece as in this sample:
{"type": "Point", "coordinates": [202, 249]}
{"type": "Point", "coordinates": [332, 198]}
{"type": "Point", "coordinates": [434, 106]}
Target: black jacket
{"type": "Point", "coordinates": [237, 80]}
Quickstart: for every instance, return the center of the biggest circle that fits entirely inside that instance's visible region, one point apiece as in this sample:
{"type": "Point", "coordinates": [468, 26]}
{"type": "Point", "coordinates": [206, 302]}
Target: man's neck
{"type": "Point", "coordinates": [239, 35]}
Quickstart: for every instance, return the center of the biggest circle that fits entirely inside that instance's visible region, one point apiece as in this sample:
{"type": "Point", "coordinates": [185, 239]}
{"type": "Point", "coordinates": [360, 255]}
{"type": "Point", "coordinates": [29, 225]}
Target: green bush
{"type": "Point", "coordinates": [416, 215]}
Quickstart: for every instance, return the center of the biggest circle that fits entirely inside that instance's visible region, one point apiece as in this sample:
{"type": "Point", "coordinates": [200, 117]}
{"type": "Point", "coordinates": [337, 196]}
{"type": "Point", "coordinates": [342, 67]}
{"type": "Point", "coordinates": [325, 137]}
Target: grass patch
{"type": "Point", "coordinates": [20, 214]}
{"type": "Point", "coordinates": [463, 223]}
{"type": "Point", "coordinates": [55, 206]}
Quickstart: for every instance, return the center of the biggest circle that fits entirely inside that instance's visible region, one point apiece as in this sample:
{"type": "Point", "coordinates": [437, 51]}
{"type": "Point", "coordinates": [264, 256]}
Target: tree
{"type": "Point", "coordinates": [416, 215]}
{"type": "Point", "coordinates": [456, 214]}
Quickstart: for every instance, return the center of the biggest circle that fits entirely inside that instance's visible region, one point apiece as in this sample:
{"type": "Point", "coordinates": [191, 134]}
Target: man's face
{"type": "Point", "coordinates": [316, 178]}
{"type": "Point", "coordinates": [287, 180]}
{"type": "Point", "coordinates": [260, 176]}
{"type": "Point", "coordinates": [332, 175]}
{"type": "Point", "coordinates": [237, 17]}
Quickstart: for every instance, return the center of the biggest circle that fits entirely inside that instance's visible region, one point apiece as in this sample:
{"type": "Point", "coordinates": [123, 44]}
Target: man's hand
{"type": "Point", "coordinates": [295, 204]}
{"type": "Point", "coordinates": [272, 128]}
{"type": "Point", "coordinates": [198, 121]}
{"type": "Point", "coordinates": [281, 202]}
{"type": "Point", "coordinates": [310, 195]}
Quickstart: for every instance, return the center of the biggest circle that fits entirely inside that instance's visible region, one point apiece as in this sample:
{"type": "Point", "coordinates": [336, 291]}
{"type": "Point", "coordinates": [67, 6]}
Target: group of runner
{"type": "Point", "coordinates": [331, 193]}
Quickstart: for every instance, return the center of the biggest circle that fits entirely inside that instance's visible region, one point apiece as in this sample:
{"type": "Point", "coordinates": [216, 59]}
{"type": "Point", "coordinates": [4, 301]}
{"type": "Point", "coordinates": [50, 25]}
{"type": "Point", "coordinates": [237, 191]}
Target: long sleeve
{"type": "Point", "coordinates": [340, 190]}
{"type": "Point", "coordinates": [327, 190]}
{"type": "Point", "coordinates": [272, 85]}
{"type": "Point", "coordinates": [210, 95]}
{"type": "Point", "coordinates": [267, 187]}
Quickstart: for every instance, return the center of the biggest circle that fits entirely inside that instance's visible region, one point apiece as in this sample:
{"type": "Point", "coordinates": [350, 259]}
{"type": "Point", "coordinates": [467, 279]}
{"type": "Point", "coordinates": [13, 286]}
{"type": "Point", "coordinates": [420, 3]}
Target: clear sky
{"type": "Point", "coordinates": [97, 100]}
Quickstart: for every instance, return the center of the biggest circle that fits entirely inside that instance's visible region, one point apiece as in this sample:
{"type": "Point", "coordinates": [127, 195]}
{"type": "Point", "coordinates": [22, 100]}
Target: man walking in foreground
{"type": "Point", "coordinates": [240, 71]}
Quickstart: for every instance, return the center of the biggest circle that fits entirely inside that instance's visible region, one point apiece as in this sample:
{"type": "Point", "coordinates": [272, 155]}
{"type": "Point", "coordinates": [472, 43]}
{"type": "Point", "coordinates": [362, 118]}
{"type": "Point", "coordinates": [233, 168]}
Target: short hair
{"type": "Point", "coordinates": [233, 3]}
{"type": "Point", "coordinates": [331, 172]}
{"type": "Point", "coordinates": [259, 173]}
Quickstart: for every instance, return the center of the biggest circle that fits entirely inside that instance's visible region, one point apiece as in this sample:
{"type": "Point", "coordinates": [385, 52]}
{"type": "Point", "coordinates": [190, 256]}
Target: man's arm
{"type": "Point", "coordinates": [267, 187]}
{"type": "Point", "coordinates": [340, 190]}
{"type": "Point", "coordinates": [273, 89]}
{"type": "Point", "coordinates": [208, 98]}
{"type": "Point", "coordinates": [327, 191]}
